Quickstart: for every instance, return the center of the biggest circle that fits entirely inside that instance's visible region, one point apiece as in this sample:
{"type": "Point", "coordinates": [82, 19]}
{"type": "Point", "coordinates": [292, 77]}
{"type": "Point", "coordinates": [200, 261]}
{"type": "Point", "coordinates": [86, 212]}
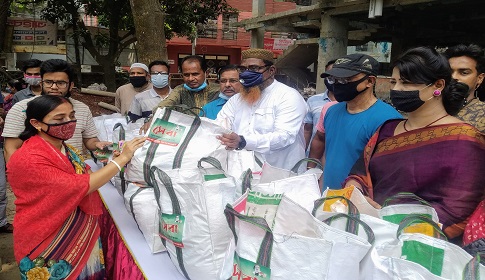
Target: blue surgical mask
{"type": "Point", "coordinates": [223, 96]}
{"type": "Point", "coordinates": [160, 80]}
{"type": "Point", "coordinates": [201, 87]}
{"type": "Point", "coordinates": [251, 78]}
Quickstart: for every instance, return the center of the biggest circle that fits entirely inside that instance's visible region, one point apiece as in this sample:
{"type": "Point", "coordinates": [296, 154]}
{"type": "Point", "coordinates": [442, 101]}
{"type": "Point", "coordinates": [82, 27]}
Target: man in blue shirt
{"type": "Point", "coordinates": [315, 105]}
{"type": "Point", "coordinates": [350, 123]}
{"type": "Point", "coordinates": [228, 77]}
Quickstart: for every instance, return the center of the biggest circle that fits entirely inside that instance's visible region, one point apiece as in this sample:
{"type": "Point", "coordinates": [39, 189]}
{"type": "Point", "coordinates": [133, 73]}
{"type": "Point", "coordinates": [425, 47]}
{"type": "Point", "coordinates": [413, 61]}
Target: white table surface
{"type": "Point", "coordinates": [153, 266]}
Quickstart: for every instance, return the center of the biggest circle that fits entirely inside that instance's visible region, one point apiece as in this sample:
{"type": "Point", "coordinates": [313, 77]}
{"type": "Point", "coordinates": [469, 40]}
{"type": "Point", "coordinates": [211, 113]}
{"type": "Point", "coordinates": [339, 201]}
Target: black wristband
{"type": "Point", "coordinates": [242, 143]}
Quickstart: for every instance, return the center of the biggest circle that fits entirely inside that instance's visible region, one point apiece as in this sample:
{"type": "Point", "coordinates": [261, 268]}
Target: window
{"type": "Point", "coordinates": [208, 30]}
{"type": "Point", "coordinates": [229, 32]}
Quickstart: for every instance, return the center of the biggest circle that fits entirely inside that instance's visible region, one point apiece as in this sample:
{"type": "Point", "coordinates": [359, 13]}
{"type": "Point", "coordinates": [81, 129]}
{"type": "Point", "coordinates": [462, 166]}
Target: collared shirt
{"type": "Point", "coordinates": [25, 93]}
{"type": "Point", "coordinates": [213, 108]}
{"type": "Point", "coordinates": [273, 126]}
{"type": "Point", "coordinates": [180, 95]}
{"type": "Point", "coordinates": [125, 94]}
{"type": "Point", "coordinates": [85, 128]}
{"type": "Point", "coordinates": [143, 104]}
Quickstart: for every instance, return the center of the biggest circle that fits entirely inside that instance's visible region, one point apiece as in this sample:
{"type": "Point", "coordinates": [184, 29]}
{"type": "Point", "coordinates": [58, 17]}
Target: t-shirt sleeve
{"type": "Point", "coordinates": [308, 117]}
{"type": "Point", "coordinates": [14, 122]}
{"type": "Point", "coordinates": [90, 131]}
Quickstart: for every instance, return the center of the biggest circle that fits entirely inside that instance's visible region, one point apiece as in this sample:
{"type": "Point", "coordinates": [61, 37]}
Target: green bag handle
{"type": "Point", "coordinates": [122, 137]}
{"type": "Point", "coordinates": [122, 134]}
{"type": "Point", "coordinates": [264, 255]}
{"type": "Point", "coordinates": [301, 161]}
{"type": "Point", "coordinates": [210, 160]}
{"type": "Point", "coordinates": [353, 211]}
{"type": "Point", "coordinates": [472, 268]}
{"type": "Point", "coordinates": [418, 219]}
{"type": "Point", "coordinates": [247, 177]}
{"type": "Point", "coordinates": [186, 109]}
{"type": "Point", "coordinates": [370, 234]}
{"type": "Point", "coordinates": [405, 195]}
{"type": "Point", "coordinates": [167, 182]}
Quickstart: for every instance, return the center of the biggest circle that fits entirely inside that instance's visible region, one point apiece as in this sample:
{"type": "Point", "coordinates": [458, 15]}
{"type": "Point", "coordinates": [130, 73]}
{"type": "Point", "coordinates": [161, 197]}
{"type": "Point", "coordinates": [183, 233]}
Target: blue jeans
{"type": "Point", "coordinates": [3, 191]}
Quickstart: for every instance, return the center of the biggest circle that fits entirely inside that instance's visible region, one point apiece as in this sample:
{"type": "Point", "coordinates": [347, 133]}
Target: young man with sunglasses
{"type": "Point", "coordinates": [266, 116]}
{"type": "Point", "coordinates": [349, 124]}
{"type": "Point", "coordinates": [57, 79]}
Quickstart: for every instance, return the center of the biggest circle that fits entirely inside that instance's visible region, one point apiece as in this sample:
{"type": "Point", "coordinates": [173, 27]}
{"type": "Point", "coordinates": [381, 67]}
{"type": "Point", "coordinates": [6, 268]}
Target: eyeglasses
{"type": "Point", "coordinates": [156, 73]}
{"type": "Point", "coordinates": [231, 81]}
{"type": "Point", "coordinates": [254, 68]}
{"type": "Point", "coordinates": [59, 84]}
{"type": "Point", "coordinates": [335, 80]}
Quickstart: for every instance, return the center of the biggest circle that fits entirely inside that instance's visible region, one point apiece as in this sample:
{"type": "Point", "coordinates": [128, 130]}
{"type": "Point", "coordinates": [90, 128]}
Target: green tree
{"type": "Point", "coordinates": [104, 47]}
{"type": "Point", "coordinates": [4, 8]}
{"type": "Point", "coordinates": [177, 17]}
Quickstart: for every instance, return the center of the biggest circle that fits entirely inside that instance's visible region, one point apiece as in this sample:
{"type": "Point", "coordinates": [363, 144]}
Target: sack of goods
{"type": "Point", "coordinates": [141, 203]}
{"type": "Point", "coordinates": [175, 140]}
{"type": "Point", "coordinates": [409, 243]}
{"type": "Point", "coordinates": [302, 188]}
{"type": "Point", "coordinates": [276, 238]}
{"type": "Point", "coordinates": [191, 211]}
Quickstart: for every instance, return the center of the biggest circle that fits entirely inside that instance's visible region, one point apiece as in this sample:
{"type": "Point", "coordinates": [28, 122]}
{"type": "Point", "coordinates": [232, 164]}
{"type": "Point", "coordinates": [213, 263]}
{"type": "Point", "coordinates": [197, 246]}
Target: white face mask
{"type": "Point", "coordinates": [32, 80]}
{"type": "Point", "coordinates": [160, 80]}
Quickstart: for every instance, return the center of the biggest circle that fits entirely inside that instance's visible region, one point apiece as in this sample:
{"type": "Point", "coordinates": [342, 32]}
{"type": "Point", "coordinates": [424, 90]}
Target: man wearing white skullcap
{"type": "Point", "coordinates": [139, 82]}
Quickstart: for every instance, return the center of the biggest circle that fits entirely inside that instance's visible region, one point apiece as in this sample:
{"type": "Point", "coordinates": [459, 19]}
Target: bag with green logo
{"type": "Point", "coordinates": [175, 140]}
{"type": "Point", "coordinates": [276, 238]}
{"type": "Point", "coordinates": [191, 212]}
{"type": "Point", "coordinates": [436, 254]}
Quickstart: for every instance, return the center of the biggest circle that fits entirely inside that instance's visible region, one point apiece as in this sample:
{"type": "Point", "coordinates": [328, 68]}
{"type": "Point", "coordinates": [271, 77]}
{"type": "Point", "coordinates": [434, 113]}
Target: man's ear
{"type": "Point", "coordinates": [480, 80]}
{"type": "Point", "coordinates": [371, 81]}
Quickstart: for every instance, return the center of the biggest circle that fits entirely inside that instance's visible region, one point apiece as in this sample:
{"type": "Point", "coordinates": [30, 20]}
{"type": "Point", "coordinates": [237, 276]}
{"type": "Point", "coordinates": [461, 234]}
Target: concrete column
{"type": "Point", "coordinates": [257, 35]}
{"type": "Point", "coordinates": [332, 44]}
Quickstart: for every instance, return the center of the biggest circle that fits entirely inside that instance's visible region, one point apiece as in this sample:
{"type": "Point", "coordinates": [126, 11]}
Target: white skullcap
{"type": "Point", "coordinates": [139, 65]}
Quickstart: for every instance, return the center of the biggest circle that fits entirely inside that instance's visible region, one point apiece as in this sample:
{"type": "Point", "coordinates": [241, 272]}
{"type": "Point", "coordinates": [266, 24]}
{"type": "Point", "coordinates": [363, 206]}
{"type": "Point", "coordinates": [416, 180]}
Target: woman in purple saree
{"type": "Point", "coordinates": [431, 154]}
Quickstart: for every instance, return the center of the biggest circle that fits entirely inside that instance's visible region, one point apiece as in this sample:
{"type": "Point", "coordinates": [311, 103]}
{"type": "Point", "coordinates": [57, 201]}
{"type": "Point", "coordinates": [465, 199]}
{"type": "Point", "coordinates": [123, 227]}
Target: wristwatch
{"type": "Point", "coordinates": [242, 143]}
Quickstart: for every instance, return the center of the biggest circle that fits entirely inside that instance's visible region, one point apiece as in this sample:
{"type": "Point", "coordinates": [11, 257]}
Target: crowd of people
{"type": "Point", "coordinates": [429, 141]}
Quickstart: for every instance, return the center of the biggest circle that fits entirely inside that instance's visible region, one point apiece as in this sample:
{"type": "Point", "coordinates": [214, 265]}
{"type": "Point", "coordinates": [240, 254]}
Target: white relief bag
{"type": "Point", "coordinates": [276, 238]}
{"type": "Point", "coordinates": [141, 203]}
{"type": "Point", "coordinates": [175, 140]}
{"type": "Point", "coordinates": [192, 221]}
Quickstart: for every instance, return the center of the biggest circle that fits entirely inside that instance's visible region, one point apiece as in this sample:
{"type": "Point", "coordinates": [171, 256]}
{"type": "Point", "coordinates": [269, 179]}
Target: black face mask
{"type": "Point", "coordinates": [406, 100]}
{"type": "Point", "coordinates": [138, 81]}
{"type": "Point", "coordinates": [328, 85]}
{"type": "Point", "coordinates": [348, 91]}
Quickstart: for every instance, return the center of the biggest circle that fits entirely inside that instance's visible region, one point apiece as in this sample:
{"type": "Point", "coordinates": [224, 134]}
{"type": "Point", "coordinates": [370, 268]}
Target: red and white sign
{"type": "Point", "coordinates": [277, 43]}
{"type": "Point", "coordinates": [28, 31]}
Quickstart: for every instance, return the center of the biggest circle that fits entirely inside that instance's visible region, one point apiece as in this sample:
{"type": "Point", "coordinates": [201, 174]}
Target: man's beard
{"type": "Point", "coordinates": [251, 95]}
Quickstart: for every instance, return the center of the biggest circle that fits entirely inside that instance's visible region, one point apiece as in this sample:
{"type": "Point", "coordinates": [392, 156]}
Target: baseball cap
{"type": "Point", "coordinates": [353, 64]}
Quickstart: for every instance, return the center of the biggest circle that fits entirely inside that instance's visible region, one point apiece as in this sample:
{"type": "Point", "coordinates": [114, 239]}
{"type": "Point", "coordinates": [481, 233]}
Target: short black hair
{"type": "Point", "coordinates": [195, 58]}
{"type": "Point", "coordinates": [158, 62]}
{"type": "Point", "coordinates": [226, 68]}
{"type": "Point", "coordinates": [31, 63]}
{"type": "Point", "coordinates": [17, 84]}
{"type": "Point", "coordinates": [57, 65]}
{"type": "Point", "coordinates": [37, 109]}
{"type": "Point", "coordinates": [472, 51]}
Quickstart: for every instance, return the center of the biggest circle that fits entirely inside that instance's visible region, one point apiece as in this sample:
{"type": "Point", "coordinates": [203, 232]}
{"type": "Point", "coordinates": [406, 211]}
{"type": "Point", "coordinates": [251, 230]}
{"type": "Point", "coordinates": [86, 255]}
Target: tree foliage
{"type": "Point", "coordinates": [182, 15]}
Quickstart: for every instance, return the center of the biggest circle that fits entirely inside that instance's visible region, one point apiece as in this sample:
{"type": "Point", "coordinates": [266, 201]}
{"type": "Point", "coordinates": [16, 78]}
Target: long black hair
{"type": "Point", "coordinates": [424, 65]}
{"type": "Point", "coordinates": [38, 108]}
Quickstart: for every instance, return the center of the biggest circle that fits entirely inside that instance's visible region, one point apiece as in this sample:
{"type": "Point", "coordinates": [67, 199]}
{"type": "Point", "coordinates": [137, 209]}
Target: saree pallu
{"type": "Point", "coordinates": [74, 252]}
{"type": "Point", "coordinates": [443, 164]}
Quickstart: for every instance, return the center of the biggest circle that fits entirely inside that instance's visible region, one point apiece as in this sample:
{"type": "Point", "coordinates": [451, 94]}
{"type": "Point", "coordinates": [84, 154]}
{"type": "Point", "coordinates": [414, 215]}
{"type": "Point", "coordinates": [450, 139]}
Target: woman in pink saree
{"type": "Point", "coordinates": [431, 154]}
{"type": "Point", "coordinates": [56, 231]}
